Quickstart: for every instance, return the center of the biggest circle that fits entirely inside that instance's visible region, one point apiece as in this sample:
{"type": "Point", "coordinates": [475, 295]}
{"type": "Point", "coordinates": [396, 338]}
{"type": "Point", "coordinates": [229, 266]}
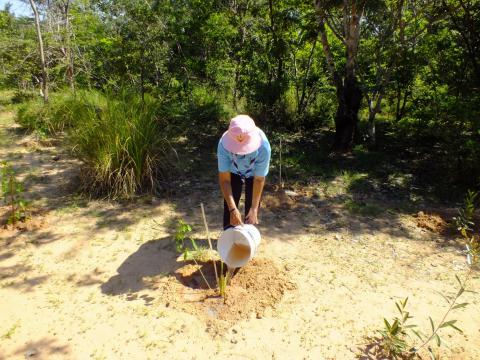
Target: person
{"type": "Point", "coordinates": [243, 158]}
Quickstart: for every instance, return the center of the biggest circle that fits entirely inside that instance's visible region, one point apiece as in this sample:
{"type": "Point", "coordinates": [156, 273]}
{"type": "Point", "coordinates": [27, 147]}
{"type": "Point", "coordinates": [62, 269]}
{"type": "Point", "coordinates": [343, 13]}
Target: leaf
{"type": "Point", "coordinates": [398, 307]}
{"type": "Point", "coordinates": [447, 323]}
{"type": "Point", "coordinates": [417, 333]}
{"type": "Point", "coordinates": [456, 328]}
{"type": "Point", "coordinates": [458, 306]}
{"type": "Point", "coordinates": [394, 327]}
{"type": "Point", "coordinates": [431, 323]}
{"type": "Point", "coordinates": [458, 279]}
{"type": "Point", "coordinates": [460, 291]}
{"type": "Point", "coordinates": [387, 324]}
{"type": "Point", "coordinates": [445, 297]}
{"type": "Point", "coordinates": [437, 339]}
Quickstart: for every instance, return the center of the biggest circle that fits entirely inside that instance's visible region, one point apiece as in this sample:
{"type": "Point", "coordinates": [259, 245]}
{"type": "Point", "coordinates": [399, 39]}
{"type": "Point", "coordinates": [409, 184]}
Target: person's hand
{"type": "Point", "coordinates": [235, 218]}
{"type": "Point", "coordinates": [252, 217]}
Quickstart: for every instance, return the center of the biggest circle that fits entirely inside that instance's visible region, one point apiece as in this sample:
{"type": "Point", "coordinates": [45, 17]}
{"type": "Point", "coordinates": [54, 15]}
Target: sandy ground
{"type": "Point", "coordinates": [87, 279]}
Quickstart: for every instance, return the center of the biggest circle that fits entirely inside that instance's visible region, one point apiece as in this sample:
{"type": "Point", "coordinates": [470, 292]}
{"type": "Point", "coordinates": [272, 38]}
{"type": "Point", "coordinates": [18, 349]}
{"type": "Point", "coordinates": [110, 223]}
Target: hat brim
{"type": "Point", "coordinates": [247, 147]}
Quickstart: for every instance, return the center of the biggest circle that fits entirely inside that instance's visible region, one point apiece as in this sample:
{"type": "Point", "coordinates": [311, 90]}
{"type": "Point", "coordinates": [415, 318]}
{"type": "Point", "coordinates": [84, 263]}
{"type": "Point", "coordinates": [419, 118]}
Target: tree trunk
{"type": "Point", "coordinates": [349, 95]}
{"type": "Point", "coordinates": [42, 53]}
{"type": "Point", "coordinates": [349, 98]}
{"type": "Point", "coordinates": [70, 71]}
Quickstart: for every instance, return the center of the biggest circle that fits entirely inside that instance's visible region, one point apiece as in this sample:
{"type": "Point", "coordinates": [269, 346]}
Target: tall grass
{"type": "Point", "coordinates": [123, 145]}
{"type": "Point", "coordinates": [121, 139]}
{"type": "Point", "coordinates": [64, 110]}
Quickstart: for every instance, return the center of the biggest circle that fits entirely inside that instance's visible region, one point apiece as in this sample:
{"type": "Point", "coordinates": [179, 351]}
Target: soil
{"type": "Point", "coordinates": [101, 280]}
{"type": "Point", "coordinates": [253, 291]}
{"type": "Point", "coordinates": [434, 223]}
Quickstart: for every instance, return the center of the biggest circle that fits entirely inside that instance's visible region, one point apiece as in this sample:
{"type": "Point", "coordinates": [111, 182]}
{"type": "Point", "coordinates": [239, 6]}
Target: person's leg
{"type": "Point", "coordinates": [236, 182]}
{"type": "Point", "coordinates": [248, 194]}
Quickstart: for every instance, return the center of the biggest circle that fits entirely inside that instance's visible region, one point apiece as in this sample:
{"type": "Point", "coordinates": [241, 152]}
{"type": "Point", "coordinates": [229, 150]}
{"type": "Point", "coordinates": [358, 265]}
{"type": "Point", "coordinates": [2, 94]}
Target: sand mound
{"type": "Point", "coordinates": [254, 289]}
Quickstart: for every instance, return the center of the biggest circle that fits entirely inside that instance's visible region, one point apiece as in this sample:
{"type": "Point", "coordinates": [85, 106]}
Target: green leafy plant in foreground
{"type": "Point", "coordinates": [192, 252]}
{"type": "Point", "coordinates": [394, 336]}
{"type": "Point", "coordinates": [180, 239]}
{"type": "Point", "coordinates": [12, 193]}
{"type": "Point", "coordinates": [181, 236]}
{"type": "Point", "coordinates": [465, 225]}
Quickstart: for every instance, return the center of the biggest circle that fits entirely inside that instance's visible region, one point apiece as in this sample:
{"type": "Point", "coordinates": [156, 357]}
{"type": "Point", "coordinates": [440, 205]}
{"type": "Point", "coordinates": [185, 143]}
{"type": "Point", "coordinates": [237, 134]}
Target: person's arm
{"type": "Point", "coordinates": [259, 173]}
{"type": "Point", "coordinates": [224, 179]}
{"type": "Point", "coordinates": [258, 183]}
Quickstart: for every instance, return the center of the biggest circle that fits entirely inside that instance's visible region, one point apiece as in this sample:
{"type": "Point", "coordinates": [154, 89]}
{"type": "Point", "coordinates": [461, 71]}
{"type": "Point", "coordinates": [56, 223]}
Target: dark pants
{"type": "Point", "coordinates": [237, 185]}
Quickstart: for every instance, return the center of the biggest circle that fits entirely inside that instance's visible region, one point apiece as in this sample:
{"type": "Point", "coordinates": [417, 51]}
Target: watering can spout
{"type": "Point", "coordinates": [238, 245]}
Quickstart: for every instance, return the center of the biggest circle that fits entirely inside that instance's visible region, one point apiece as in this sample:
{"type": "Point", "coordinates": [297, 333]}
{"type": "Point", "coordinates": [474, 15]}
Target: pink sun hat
{"type": "Point", "coordinates": [243, 136]}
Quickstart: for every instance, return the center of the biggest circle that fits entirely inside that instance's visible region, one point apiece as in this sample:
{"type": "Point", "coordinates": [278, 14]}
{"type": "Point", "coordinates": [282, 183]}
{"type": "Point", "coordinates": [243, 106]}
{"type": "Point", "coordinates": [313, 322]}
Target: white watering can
{"type": "Point", "coordinates": [237, 245]}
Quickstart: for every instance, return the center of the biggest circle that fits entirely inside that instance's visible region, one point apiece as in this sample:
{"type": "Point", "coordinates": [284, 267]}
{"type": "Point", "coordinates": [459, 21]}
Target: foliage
{"type": "Point", "coordinates": [122, 140]}
{"type": "Point", "coordinates": [466, 227]}
{"type": "Point", "coordinates": [63, 111]}
{"type": "Point", "coordinates": [124, 145]}
{"type": "Point", "coordinates": [207, 60]}
{"type": "Point", "coordinates": [464, 220]}
{"type": "Point", "coordinates": [12, 191]}
{"type": "Point", "coordinates": [393, 335]}
{"type": "Point", "coordinates": [181, 236]}
{"type": "Point", "coordinates": [395, 339]}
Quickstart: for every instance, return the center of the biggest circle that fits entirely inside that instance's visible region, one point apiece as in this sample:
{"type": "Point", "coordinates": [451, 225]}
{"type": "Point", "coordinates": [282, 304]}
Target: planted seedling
{"type": "Point", "coordinates": [223, 281]}
{"type": "Point", "coordinates": [180, 238]}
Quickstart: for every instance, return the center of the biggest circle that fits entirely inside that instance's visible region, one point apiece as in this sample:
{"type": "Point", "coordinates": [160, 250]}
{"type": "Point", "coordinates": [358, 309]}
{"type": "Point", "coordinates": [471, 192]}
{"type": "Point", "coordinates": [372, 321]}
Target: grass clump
{"type": "Point", "coordinates": [122, 144]}
{"type": "Point", "coordinates": [63, 111]}
{"type": "Point", "coordinates": [121, 139]}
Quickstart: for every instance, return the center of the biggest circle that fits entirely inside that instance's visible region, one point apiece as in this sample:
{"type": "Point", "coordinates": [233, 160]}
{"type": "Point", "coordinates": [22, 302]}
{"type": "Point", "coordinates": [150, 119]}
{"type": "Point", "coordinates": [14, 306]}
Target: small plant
{"type": "Point", "coordinates": [12, 191]}
{"type": "Point", "coordinates": [223, 281]}
{"type": "Point", "coordinates": [465, 225]}
{"type": "Point", "coordinates": [393, 335]}
{"type": "Point", "coordinates": [464, 220]}
{"type": "Point", "coordinates": [393, 339]}
{"type": "Point", "coordinates": [181, 236]}
{"type": "Point", "coordinates": [181, 240]}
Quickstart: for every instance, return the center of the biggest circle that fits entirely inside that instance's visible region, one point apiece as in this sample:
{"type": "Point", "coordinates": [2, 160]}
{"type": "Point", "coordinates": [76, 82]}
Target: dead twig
{"type": "Point", "coordinates": [209, 241]}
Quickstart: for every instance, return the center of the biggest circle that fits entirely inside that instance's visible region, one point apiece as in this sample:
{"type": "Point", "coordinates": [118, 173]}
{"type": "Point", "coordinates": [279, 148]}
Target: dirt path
{"type": "Point", "coordinates": [90, 281]}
